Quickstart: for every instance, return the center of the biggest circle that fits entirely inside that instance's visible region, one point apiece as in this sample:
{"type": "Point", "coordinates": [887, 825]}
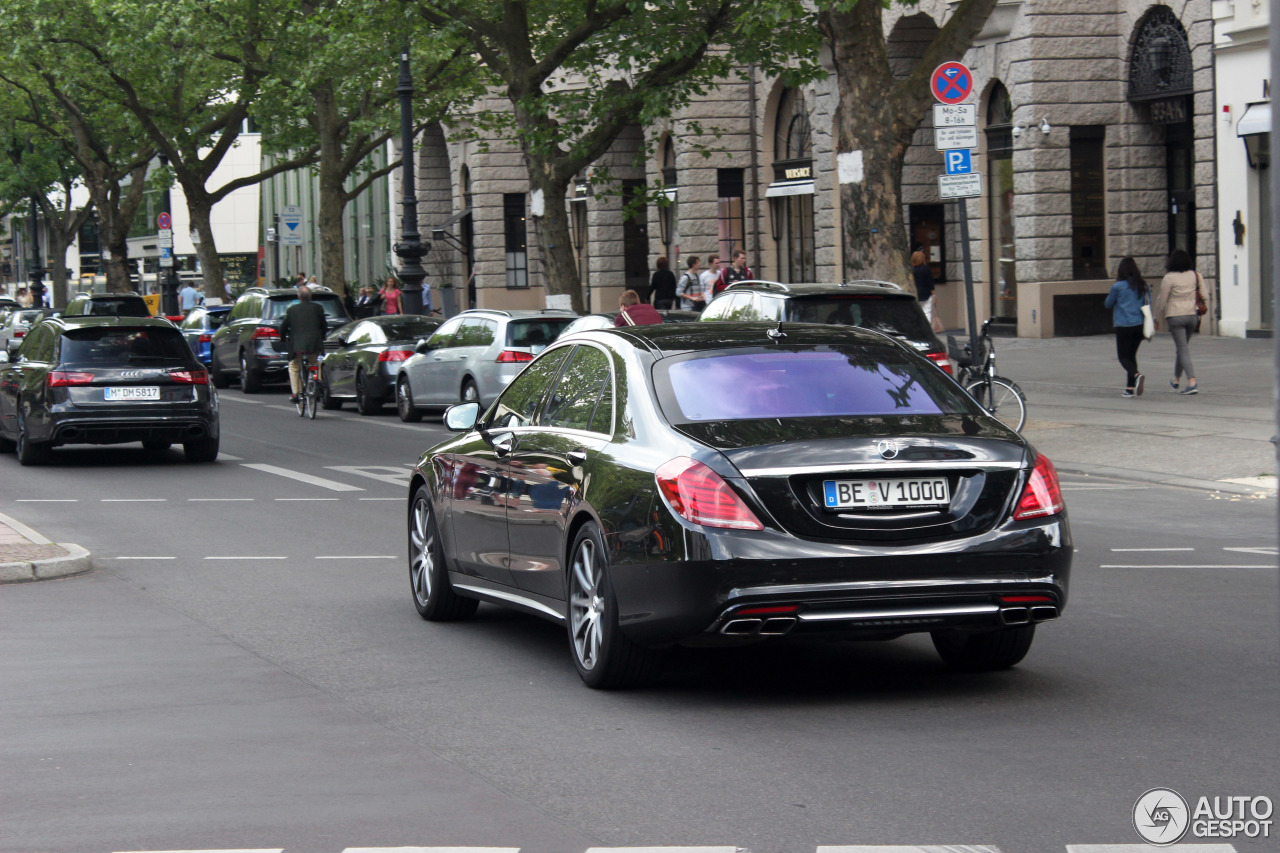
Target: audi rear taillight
{"type": "Point", "coordinates": [62, 378]}
{"type": "Point", "coordinates": [1042, 496]}
{"type": "Point", "coordinates": [190, 377]}
{"type": "Point", "coordinates": [265, 332]}
{"type": "Point", "coordinates": [394, 355]}
{"type": "Point", "coordinates": [701, 496]}
{"type": "Point", "coordinates": [511, 356]}
{"type": "Point", "coordinates": [940, 359]}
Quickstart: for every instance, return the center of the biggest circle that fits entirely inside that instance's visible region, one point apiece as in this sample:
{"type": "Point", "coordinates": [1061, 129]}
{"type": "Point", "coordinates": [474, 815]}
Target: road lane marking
{"type": "Point", "coordinates": [230, 458]}
{"type": "Point", "coordinates": [1265, 550]}
{"type": "Point", "coordinates": [258, 850]}
{"type": "Point", "coordinates": [431, 850]}
{"type": "Point", "coordinates": [673, 849]}
{"type": "Point", "coordinates": [1185, 566]}
{"type": "Point", "coordinates": [381, 473]}
{"type": "Point", "coordinates": [332, 485]}
{"type": "Point", "coordinates": [359, 557]}
{"type": "Point", "coordinates": [927, 848]}
{"type": "Point", "coordinates": [1152, 549]}
{"type": "Point", "coordinates": [48, 500]}
{"type": "Point", "coordinates": [218, 500]}
{"type": "Point", "coordinates": [133, 500]}
{"type": "Point", "coordinates": [144, 558]}
{"type": "Point", "coordinates": [247, 558]}
{"type": "Point", "coordinates": [1146, 848]}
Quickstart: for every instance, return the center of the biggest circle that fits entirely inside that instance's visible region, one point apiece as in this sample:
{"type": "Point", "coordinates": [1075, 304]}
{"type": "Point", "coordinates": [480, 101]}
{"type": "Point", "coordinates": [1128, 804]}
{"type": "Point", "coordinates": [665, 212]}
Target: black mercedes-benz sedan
{"type": "Point", "coordinates": [106, 380]}
{"type": "Point", "coordinates": [731, 483]}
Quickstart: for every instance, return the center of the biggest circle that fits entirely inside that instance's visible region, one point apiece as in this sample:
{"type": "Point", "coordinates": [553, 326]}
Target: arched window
{"type": "Point", "coordinates": [791, 193]}
{"type": "Point", "coordinates": [999, 130]}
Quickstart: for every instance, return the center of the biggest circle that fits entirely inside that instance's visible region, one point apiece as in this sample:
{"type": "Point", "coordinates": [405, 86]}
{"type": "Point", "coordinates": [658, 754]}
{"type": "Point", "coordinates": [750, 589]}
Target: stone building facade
{"type": "Point", "coordinates": [1096, 141]}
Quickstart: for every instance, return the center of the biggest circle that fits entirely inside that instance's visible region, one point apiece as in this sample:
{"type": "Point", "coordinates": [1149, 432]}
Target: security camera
{"type": "Point", "coordinates": [1017, 131]}
{"type": "Point", "coordinates": [1044, 126]}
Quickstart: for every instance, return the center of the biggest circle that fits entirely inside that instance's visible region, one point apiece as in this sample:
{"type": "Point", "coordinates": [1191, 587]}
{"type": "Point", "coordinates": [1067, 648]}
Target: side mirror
{"type": "Point", "coordinates": [461, 417]}
{"type": "Point", "coordinates": [422, 346]}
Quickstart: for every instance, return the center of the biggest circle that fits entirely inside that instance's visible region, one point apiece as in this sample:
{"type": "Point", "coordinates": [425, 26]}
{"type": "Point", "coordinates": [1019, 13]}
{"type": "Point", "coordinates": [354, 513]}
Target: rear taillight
{"type": "Point", "coordinates": [174, 318]}
{"type": "Point", "coordinates": [940, 359]}
{"type": "Point", "coordinates": [61, 378]}
{"type": "Point", "coordinates": [1042, 496]}
{"type": "Point", "coordinates": [699, 495]}
{"type": "Point", "coordinates": [394, 355]}
{"type": "Point", "coordinates": [265, 333]}
{"type": "Point", "coordinates": [19, 333]}
{"type": "Point", "coordinates": [511, 356]}
{"type": "Point", "coordinates": [204, 339]}
{"type": "Point", "coordinates": [190, 377]}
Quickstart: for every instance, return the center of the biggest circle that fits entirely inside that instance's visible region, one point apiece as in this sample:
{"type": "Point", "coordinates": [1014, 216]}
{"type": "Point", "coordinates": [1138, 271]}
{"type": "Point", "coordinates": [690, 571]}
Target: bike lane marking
{"type": "Point", "coordinates": [310, 479]}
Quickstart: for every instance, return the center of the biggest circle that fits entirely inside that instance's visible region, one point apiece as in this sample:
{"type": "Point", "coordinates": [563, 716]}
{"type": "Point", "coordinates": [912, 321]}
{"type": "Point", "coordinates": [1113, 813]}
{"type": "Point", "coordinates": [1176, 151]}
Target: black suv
{"type": "Point", "coordinates": [877, 305]}
{"type": "Point", "coordinates": [107, 305]}
{"type": "Point", "coordinates": [249, 344]}
{"type": "Point", "coordinates": [106, 380]}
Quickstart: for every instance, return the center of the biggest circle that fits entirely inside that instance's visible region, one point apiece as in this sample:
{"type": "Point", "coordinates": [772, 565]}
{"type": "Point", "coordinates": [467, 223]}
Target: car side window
{"type": "Point", "coordinates": [444, 335]}
{"type": "Point", "coordinates": [38, 346]}
{"type": "Point", "coordinates": [579, 390]}
{"type": "Point", "coordinates": [716, 308]}
{"type": "Point", "coordinates": [769, 308]}
{"type": "Point", "coordinates": [476, 332]}
{"type": "Point", "coordinates": [519, 404]}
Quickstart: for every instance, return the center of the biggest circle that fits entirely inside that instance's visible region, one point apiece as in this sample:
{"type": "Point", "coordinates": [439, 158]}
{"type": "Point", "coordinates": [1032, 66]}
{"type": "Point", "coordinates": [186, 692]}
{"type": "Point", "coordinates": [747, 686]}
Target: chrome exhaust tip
{"type": "Point", "coordinates": [778, 626]}
{"type": "Point", "coordinates": [1043, 613]}
{"type": "Point", "coordinates": [1015, 615]}
{"type": "Point", "coordinates": [742, 627]}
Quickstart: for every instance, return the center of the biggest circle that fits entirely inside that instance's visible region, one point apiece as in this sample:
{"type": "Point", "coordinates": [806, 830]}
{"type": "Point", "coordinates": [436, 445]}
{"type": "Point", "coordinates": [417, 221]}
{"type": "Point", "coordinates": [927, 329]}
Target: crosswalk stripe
{"type": "Point", "coordinates": [310, 479]}
{"type": "Point", "coordinates": [664, 850]}
{"type": "Point", "coordinates": [897, 848]}
{"type": "Point", "coordinates": [432, 850]}
{"type": "Point", "coordinates": [1147, 848]}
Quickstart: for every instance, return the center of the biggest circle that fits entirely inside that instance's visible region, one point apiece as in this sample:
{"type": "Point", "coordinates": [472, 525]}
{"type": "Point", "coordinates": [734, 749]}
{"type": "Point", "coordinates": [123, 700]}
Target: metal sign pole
{"type": "Point", "coordinates": [968, 278]}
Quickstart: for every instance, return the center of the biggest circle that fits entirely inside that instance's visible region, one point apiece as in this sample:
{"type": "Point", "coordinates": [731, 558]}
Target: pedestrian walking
{"type": "Point", "coordinates": [1182, 301]}
{"type": "Point", "coordinates": [662, 287]}
{"type": "Point", "coordinates": [633, 312]}
{"type": "Point", "coordinates": [689, 288]}
{"type": "Point", "coordinates": [922, 274]}
{"type": "Point", "coordinates": [735, 272]}
{"type": "Point", "coordinates": [1126, 300]}
{"type": "Point", "coordinates": [188, 298]}
{"type": "Point", "coordinates": [711, 275]}
{"type": "Point", "coordinates": [391, 297]}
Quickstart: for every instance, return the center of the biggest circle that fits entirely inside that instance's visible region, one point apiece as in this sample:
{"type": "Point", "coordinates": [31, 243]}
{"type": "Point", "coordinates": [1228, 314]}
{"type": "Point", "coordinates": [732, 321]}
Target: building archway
{"type": "Point", "coordinates": [791, 193]}
{"type": "Point", "coordinates": [1000, 219]}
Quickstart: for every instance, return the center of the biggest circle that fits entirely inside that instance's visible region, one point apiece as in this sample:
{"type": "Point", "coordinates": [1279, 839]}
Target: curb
{"type": "Point", "coordinates": [1160, 479]}
{"type": "Point", "coordinates": [77, 561]}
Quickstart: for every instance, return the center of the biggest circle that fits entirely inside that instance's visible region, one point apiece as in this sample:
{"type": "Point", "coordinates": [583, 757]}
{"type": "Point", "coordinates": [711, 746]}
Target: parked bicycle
{"type": "Point", "coordinates": [309, 399]}
{"type": "Point", "coordinates": [1000, 396]}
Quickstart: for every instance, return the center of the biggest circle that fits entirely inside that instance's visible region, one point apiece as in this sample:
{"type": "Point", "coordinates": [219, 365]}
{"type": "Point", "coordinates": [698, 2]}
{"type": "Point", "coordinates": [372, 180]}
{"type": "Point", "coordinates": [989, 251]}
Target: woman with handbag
{"type": "Point", "coordinates": [1130, 304]}
{"type": "Point", "coordinates": [1182, 301]}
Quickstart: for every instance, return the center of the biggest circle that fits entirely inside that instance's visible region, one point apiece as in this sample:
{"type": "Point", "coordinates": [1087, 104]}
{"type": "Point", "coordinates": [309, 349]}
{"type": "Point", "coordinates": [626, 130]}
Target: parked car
{"type": "Point", "coordinates": [593, 322]}
{"type": "Point", "coordinates": [106, 380]}
{"type": "Point", "coordinates": [362, 359]}
{"type": "Point", "coordinates": [727, 484]}
{"type": "Point", "coordinates": [198, 328]}
{"type": "Point", "coordinates": [249, 345]}
{"type": "Point", "coordinates": [7, 305]}
{"type": "Point", "coordinates": [106, 305]}
{"type": "Point", "coordinates": [473, 356]}
{"type": "Point", "coordinates": [878, 305]}
{"type": "Point", "coordinates": [16, 324]}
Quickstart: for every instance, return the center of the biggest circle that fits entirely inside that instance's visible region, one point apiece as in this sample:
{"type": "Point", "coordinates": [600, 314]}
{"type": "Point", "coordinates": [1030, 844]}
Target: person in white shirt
{"type": "Point", "coordinates": [711, 273]}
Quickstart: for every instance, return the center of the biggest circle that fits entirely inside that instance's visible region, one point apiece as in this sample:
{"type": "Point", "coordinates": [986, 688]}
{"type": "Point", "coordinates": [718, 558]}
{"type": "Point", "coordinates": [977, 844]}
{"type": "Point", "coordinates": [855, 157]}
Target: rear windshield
{"type": "Point", "coordinates": [819, 383]}
{"type": "Point", "coordinates": [28, 317]}
{"type": "Point", "coordinates": [891, 316]}
{"type": "Point", "coordinates": [536, 334]}
{"type": "Point", "coordinates": [130, 307]}
{"type": "Point", "coordinates": [408, 328]}
{"type": "Point", "coordinates": [331, 304]}
{"type": "Point", "coordinates": [111, 345]}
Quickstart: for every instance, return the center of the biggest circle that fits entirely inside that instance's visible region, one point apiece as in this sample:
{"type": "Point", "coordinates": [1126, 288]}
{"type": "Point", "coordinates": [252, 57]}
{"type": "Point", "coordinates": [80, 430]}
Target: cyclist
{"type": "Point", "coordinates": [303, 328]}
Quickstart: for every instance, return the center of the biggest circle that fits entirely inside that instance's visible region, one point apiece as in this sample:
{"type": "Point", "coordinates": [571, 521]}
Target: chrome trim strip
{"type": "Point", "coordinates": [860, 586]}
{"type": "Point", "coordinates": [512, 597]}
{"type": "Point", "coordinates": [835, 469]}
{"type": "Point", "coordinates": [908, 613]}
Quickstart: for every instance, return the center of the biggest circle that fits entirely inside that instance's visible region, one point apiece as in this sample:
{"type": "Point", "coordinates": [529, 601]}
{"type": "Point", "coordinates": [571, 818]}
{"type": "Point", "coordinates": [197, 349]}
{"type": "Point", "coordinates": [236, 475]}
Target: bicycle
{"type": "Point", "coordinates": [309, 399]}
{"type": "Point", "coordinates": [998, 395]}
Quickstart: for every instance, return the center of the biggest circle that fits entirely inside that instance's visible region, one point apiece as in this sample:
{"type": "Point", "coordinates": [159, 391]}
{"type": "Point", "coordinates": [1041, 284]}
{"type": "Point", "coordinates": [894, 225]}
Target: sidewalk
{"type": "Point", "coordinates": [1218, 439]}
{"type": "Point", "coordinates": [27, 556]}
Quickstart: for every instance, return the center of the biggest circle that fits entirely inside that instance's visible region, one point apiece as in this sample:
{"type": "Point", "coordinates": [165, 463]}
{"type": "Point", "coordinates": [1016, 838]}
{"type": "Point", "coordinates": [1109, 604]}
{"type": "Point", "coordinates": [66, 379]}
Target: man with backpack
{"type": "Point", "coordinates": [735, 272]}
{"type": "Point", "coordinates": [689, 288]}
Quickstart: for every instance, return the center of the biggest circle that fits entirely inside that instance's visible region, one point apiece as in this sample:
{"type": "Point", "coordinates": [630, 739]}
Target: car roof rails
{"type": "Point", "coordinates": [760, 283]}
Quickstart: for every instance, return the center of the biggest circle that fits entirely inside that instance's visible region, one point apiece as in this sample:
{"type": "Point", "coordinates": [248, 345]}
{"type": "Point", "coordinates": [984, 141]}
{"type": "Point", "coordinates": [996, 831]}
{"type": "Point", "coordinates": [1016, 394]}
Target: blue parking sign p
{"type": "Point", "coordinates": [958, 162]}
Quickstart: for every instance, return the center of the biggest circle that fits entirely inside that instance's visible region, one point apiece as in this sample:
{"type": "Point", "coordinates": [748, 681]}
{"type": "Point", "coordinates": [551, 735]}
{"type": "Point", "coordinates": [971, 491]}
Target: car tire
{"type": "Point", "coordinates": [409, 413]}
{"type": "Point", "coordinates": [249, 382]}
{"type": "Point", "coordinates": [219, 379]}
{"type": "Point", "coordinates": [201, 450]}
{"type": "Point", "coordinates": [984, 651]}
{"type": "Point", "coordinates": [327, 401]}
{"type": "Point", "coordinates": [31, 452]}
{"type": "Point", "coordinates": [365, 404]}
{"type": "Point", "coordinates": [433, 594]}
{"type": "Point", "coordinates": [156, 445]}
{"type": "Point", "coordinates": [469, 393]}
{"type": "Point", "coordinates": [604, 657]}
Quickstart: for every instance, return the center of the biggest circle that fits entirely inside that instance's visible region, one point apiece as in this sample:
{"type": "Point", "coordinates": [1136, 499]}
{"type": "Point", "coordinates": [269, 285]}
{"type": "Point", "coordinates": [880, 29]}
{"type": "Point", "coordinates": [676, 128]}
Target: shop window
{"type": "Point", "coordinates": [1088, 203]}
{"type": "Point", "coordinates": [732, 215]}
{"type": "Point", "coordinates": [514, 228]}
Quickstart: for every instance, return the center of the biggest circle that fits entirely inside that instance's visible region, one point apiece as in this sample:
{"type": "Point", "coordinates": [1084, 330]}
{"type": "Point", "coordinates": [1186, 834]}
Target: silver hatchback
{"type": "Point", "coordinates": [473, 356]}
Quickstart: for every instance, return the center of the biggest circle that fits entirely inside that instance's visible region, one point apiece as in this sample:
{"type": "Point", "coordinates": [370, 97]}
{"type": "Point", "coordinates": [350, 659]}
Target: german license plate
{"type": "Point", "coordinates": [116, 394]}
{"type": "Point", "coordinates": [883, 493]}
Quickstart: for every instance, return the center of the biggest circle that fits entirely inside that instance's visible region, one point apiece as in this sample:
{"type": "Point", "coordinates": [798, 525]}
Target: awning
{"type": "Point", "coordinates": [1256, 119]}
{"type": "Point", "coordinates": [785, 188]}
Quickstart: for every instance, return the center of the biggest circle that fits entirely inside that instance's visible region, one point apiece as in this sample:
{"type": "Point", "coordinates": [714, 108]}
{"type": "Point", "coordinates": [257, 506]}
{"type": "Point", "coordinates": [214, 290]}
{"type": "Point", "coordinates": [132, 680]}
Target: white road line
{"type": "Point", "coordinates": [927, 848]}
{"type": "Point", "coordinates": [230, 458]}
{"type": "Point", "coordinates": [381, 473]}
{"type": "Point", "coordinates": [242, 399]}
{"type": "Point", "coordinates": [133, 500]}
{"type": "Point", "coordinates": [1117, 550]}
{"type": "Point", "coordinates": [380, 499]}
{"type": "Point", "coordinates": [47, 500]}
{"type": "Point", "coordinates": [1266, 550]}
{"type": "Point", "coordinates": [332, 485]}
{"type": "Point", "coordinates": [432, 850]}
{"type": "Point", "coordinates": [144, 558]}
{"type": "Point", "coordinates": [1182, 566]}
{"type": "Point", "coordinates": [308, 499]}
{"type": "Point", "coordinates": [667, 849]}
{"type": "Point", "coordinates": [359, 557]}
{"type": "Point", "coordinates": [217, 500]}
{"type": "Point", "coordinates": [246, 558]}
{"type": "Point", "coordinates": [1147, 848]}
{"type": "Point", "coordinates": [395, 425]}
{"type": "Point", "coordinates": [263, 850]}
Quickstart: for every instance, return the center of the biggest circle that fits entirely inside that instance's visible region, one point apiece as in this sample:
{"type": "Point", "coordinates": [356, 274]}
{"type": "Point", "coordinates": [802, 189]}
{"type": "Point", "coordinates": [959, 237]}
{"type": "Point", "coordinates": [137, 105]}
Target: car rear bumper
{"type": "Point", "coordinates": [750, 586]}
{"type": "Point", "coordinates": [177, 424]}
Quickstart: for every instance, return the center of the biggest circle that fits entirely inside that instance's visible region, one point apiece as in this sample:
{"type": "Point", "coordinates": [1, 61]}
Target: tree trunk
{"type": "Point", "coordinates": [58, 243]}
{"type": "Point", "coordinates": [199, 209]}
{"type": "Point", "coordinates": [114, 216]}
{"type": "Point", "coordinates": [561, 267]}
{"type": "Point", "coordinates": [333, 200]}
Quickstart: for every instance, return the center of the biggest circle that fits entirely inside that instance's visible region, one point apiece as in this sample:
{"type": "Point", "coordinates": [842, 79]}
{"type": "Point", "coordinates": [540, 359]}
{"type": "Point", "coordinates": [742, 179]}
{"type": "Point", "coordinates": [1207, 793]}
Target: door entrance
{"type": "Point", "coordinates": [1180, 182]}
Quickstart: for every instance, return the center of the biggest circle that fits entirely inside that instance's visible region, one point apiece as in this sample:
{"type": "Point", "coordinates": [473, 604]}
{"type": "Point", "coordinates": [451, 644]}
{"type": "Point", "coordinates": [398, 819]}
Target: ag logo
{"type": "Point", "coordinates": [889, 448]}
{"type": "Point", "coordinates": [1161, 817]}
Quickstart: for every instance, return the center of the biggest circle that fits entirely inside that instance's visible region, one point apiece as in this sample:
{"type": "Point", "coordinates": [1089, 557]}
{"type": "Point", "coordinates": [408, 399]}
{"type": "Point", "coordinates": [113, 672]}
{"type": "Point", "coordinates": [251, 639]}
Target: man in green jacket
{"type": "Point", "coordinates": [304, 329]}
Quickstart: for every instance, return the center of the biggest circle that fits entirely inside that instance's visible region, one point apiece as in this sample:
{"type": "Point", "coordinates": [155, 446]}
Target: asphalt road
{"type": "Point", "coordinates": [245, 669]}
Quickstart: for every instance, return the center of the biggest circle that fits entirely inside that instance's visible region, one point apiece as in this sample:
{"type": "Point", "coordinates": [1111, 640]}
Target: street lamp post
{"type": "Point", "coordinates": [37, 272]}
{"type": "Point", "coordinates": [166, 277]}
{"type": "Point", "coordinates": [411, 248]}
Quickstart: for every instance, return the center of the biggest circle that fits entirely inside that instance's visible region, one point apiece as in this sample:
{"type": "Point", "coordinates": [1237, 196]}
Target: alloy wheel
{"type": "Point", "coordinates": [586, 604]}
{"type": "Point", "coordinates": [422, 542]}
